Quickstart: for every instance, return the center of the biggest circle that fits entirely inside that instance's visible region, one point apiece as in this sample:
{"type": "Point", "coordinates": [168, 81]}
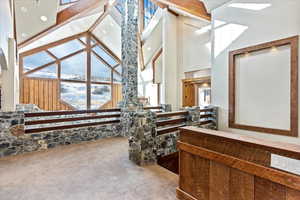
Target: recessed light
{"type": "Point", "coordinates": [149, 48]}
{"type": "Point", "coordinates": [44, 18]}
{"type": "Point", "coordinates": [24, 9]}
{"type": "Point", "coordinates": [104, 31]}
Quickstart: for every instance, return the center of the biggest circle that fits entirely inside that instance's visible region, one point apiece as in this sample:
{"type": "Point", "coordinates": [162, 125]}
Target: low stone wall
{"type": "Point", "coordinates": [167, 143]}
{"type": "Point", "coordinates": [13, 141]}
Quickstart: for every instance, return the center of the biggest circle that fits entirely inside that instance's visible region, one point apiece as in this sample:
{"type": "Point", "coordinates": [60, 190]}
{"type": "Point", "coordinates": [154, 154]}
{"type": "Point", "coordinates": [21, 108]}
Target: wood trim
{"type": "Point", "coordinates": [193, 7]}
{"type": "Point", "coordinates": [106, 48]}
{"type": "Point", "coordinates": [43, 114]}
{"type": "Point", "coordinates": [277, 176]}
{"type": "Point", "coordinates": [37, 130]}
{"type": "Point", "coordinates": [52, 44]}
{"type": "Point", "coordinates": [172, 114]}
{"type": "Point", "coordinates": [171, 121]}
{"type": "Point", "coordinates": [293, 42]}
{"type": "Point", "coordinates": [171, 129]}
{"type": "Point", "coordinates": [183, 195]}
{"type": "Point", "coordinates": [49, 121]}
{"type": "Point", "coordinates": [155, 58]}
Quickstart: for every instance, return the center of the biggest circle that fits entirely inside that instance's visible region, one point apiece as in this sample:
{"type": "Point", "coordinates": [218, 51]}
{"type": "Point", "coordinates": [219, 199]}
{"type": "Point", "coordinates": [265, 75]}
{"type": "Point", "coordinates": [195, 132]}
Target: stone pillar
{"type": "Point", "coordinates": [166, 107]}
{"type": "Point", "coordinates": [142, 145]}
{"type": "Point", "coordinates": [193, 116]}
{"type": "Point", "coordinates": [130, 53]}
{"type": "Point", "coordinates": [139, 126]}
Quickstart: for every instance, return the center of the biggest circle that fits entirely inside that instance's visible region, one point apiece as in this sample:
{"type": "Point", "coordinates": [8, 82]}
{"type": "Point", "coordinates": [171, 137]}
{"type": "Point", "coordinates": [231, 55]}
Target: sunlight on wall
{"type": "Point", "coordinates": [225, 35]}
{"type": "Point", "coordinates": [250, 6]}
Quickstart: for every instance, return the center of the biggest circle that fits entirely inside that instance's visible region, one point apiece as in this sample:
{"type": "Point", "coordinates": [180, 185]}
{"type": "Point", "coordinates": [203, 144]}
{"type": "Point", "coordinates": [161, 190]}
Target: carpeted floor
{"type": "Point", "coordinates": [91, 171]}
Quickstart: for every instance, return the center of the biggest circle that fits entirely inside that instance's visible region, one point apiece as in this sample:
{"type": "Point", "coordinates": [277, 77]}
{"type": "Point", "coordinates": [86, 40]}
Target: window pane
{"type": "Point", "coordinates": [119, 69]}
{"type": "Point", "coordinates": [74, 94]}
{"type": "Point", "coordinates": [119, 6]}
{"type": "Point", "coordinates": [67, 48]}
{"type": "Point", "coordinates": [112, 62]}
{"type": "Point", "coordinates": [83, 39]}
{"type": "Point", "coordinates": [47, 72]}
{"type": "Point", "coordinates": [99, 72]}
{"type": "Point", "coordinates": [117, 78]}
{"type": "Point", "coordinates": [36, 60]}
{"type": "Point", "coordinates": [101, 94]}
{"type": "Point", "coordinates": [149, 10]}
{"type": "Point", "coordinates": [67, 1]}
{"type": "Point", "coordinates": [73, 68]}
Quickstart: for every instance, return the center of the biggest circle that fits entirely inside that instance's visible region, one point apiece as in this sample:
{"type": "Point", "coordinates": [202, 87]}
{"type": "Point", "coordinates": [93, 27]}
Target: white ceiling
{"type": "Point", "coordinates": [28, 16]}
{"type": "Point", "coordinates": [212, 4]}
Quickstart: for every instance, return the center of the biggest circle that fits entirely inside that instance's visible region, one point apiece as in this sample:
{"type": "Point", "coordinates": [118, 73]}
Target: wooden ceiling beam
{"type": "Point", "coordinates": [65, 16]}
{"type": "Point", "coordinates": [193, 7]}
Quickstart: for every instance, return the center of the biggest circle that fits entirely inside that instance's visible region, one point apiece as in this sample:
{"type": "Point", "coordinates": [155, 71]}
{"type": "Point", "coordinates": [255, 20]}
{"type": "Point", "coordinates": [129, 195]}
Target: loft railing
{"type": "Point", "coordinates": [59, 120]}
{"type": "Point", "coordinates": [69, 119]}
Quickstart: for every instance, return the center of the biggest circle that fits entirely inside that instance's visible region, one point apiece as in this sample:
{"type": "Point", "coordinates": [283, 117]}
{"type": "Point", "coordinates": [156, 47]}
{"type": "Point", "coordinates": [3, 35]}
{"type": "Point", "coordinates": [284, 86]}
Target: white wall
{"type": "Point", "coordinates": [194, 48]}
{"type": "Point", "coordinates": [244, 28]}
{"type": "Point", "coordinates": [5, 25]}
{"type": "Point", "coordinates": [9, 78]}
{"type": "Point", "coordinates": [184, 50]}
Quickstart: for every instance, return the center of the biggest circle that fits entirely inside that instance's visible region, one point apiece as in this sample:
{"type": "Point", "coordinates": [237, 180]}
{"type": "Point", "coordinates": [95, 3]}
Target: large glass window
{"type": "Point", "coordinates": [74, 68]}
{"type": "Point", "coordinates": [149, 11]}
{"type": "Point", "coordinates": [36, 60]}
{"type": "Point", "coordinates": [88, 75]}
{"type": "Point", "coordinates": [63, 2]}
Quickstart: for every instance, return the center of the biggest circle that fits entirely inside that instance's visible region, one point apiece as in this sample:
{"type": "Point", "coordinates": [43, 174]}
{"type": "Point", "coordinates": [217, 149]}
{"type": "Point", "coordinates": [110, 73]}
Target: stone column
{"type": "Point", "coordinates": [130, 53]}
{"type": "Point", "coordinates": [193, 116]}
{"type": "Point", "coordinates": [139, 126]}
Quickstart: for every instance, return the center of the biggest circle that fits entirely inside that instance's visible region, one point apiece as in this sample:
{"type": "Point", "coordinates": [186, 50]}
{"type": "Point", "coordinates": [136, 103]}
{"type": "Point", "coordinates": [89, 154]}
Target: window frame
{"type": "Point", "coordinates": [88, 48]}
{"type": "Point", "coordinates": [63, 4]}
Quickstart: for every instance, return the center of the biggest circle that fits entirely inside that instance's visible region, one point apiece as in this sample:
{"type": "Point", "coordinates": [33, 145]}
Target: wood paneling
{"type": "Point", "coordinates": [293, 42]}
{"type": "Point", "coordinates": [219, 181]}
{"type": "Point", "coordinates": [193, 7]}
{"type": "Point", "coordinates": [267, 190]}
{"type": "Point", "coordinates": [191, 165]}
{"type": "Point", "coordinates": [241, 185]}
{"type": "Point", "coordinates": [44, 93]}
{"type": "Point", "coordinates": [209, 172]}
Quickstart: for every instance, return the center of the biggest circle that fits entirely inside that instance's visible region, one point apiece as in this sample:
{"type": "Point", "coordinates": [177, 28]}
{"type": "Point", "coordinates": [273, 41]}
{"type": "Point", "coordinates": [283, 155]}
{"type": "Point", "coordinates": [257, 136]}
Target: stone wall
{"type": "Point", "coordinates": [13, 141]}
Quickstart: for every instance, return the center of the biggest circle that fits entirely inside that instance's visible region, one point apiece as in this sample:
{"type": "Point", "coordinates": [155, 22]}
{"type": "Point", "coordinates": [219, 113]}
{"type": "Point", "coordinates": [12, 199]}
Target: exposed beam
{"type": "Point", "coordinates": [65, 16]}
{"type": "Point", "coordinates": [193, 7]}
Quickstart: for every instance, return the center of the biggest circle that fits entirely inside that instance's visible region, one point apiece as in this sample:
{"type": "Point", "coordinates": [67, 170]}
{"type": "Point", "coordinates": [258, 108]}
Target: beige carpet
{"type": "Point", "coordinates": [91, 171]}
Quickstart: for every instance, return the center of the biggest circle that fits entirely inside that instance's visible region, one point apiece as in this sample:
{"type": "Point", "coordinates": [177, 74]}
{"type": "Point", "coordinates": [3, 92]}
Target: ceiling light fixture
{"type": "Point", "coordinates": [44, 18]}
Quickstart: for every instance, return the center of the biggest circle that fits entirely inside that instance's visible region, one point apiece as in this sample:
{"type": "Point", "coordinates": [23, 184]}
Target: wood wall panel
{"type": "Point", "coordinates": [219, 181]}
{"type": "Point", "coordinates": [232, 175]}
{"type": "Point", "coordinates": [267, 190]}
{"type": "Point", "coordinates": [200, 186]}
{"type": "Point", "coordinates": [292, 194]}
{"type": "Point", "coordinates": [241, 185]}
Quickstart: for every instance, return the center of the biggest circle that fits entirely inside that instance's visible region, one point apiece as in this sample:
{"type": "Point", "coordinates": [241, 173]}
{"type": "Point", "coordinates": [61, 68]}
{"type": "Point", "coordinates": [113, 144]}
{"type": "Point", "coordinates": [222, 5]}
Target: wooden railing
{"type": "Point", "coordinates": [221, 165]}
{"type": "Point", "coordinates": [173, 121]}
{"type": "Point", "coordinates": [55, 121]}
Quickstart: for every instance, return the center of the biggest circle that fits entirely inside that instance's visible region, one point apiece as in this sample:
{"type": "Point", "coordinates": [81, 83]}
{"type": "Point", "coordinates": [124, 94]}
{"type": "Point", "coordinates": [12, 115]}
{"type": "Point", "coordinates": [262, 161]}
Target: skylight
{"type": "Point", "coordinates": [250, 6]}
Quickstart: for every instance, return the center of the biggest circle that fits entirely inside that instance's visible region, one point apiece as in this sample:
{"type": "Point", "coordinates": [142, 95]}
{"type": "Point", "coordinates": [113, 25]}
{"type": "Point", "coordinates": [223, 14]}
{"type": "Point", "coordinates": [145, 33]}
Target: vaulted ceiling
{"type": "Point", "coordinates": [212, 4]}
